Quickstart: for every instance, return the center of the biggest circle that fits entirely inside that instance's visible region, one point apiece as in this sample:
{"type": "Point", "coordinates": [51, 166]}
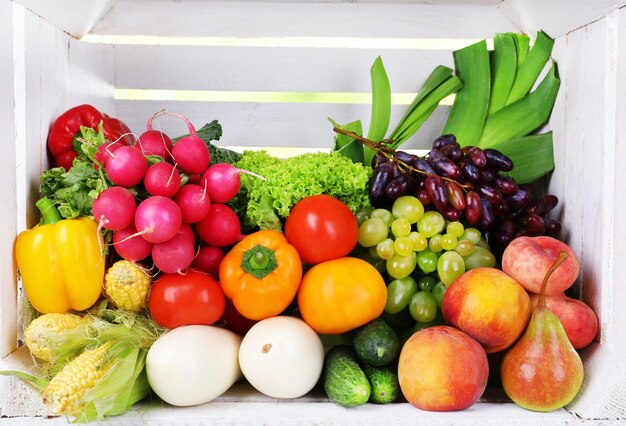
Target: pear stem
{"type": "Point", "coordinates": [563, 255]}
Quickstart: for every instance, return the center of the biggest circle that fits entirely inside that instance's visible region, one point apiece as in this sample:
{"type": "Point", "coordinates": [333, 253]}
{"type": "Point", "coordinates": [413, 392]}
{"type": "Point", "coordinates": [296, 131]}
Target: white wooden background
{"type": "Point", "coordinates": [218, 49]}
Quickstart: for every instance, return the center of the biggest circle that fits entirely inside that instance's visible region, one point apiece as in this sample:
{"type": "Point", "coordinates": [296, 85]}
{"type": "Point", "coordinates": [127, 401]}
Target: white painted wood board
{"type": "Point", "coordinates": [244, 405]}
{"type": "Point", "coordinates": [618, 223]}
{"type": "Point", "coordinates": [271, 68]}
{"type": "Point", "coordinates": [83, 16]}
{"type": "Point", "coordinates": [557, 17]}
{"type": "Point", "coordinates": [8, 190]}
{"type": "Point", "coordinates": [586, 124]}
{"type": "Point", "coordinates": [52, 72]}
{"type": "Point", "coordinates": [90, 76]}
{"type": "Point", "coordinates": [198, 18]}
{"type": "Point", "coordinates": [55, 73]}
{"type": "Point", "coordinates": [582, 145]}
{"type": "Point", "coordinates": [271, 124]}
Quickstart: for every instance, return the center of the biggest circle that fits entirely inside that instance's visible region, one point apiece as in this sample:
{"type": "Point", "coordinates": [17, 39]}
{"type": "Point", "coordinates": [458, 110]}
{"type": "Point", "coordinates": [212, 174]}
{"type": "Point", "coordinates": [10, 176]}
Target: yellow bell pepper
{"type": "Point", "coordinates": [60, 262]}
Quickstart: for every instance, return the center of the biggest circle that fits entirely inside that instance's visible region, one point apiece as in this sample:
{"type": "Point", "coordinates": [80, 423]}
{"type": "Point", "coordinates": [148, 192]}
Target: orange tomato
{"type": "Point", "coordinates": [341, 294]}
{"type": "Point", "coordinates": [261, 274]}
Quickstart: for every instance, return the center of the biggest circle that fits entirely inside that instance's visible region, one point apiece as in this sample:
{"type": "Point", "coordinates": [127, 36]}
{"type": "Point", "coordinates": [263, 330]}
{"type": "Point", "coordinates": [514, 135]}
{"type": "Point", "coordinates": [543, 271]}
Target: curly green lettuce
{"type": "Point", "coordinates": [263, 203]}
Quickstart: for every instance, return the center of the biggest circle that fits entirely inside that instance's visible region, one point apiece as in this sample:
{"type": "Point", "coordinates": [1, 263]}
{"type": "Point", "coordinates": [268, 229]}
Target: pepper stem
{"type": "Point", "coordinates": [49, 213]}
{"type": "Point", "coordinates": [259, 261]}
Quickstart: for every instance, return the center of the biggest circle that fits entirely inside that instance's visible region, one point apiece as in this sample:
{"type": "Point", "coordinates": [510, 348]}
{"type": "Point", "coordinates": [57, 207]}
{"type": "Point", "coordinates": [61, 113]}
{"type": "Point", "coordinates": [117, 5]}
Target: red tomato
{"type": "Point", "coordinates": [321, 228]}
{"type": "Point", "coordinates": [192, 298]}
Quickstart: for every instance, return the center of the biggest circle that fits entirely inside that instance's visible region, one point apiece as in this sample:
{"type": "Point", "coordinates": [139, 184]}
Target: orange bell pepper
{"type": "Point", "coordinates": [261, 274]}
{"type": "Point", "coordinates": [60, 262]}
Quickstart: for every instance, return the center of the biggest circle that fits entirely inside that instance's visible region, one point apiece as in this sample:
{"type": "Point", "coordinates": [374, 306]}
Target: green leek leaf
{"type": "Point", "coordinates": [522, 45]}
{"type": "Point", "coordinates": [425, 109]}
{"type": "Point", "coordinates": [503, 69]}
{"type": "Point", "coordinates": [413, 126]}
{"type": "Point", "coordinates": [524, 116]}
{"type": "Point", "coordinates": [532, 156]}
{"type": "Point", "coordinates": [529, 70]}
{"type": "Point", "coordinates": [439, 75]}
{"type": "Point", "coordinates": [347, 146]}
{"type": "Point", "coordinates": [342, 140]}
{"type": "Point", "coordinates": [354, 150]}
{"type": "Point", "coordinates": [381, 106]}
{"type": "Point", "coordinates": [468, 113]}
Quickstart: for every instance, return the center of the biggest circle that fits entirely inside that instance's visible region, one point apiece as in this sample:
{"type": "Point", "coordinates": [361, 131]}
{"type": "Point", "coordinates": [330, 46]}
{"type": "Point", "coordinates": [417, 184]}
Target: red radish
{"type": "Point", "coordinates": [194, 203]}
{"type": "Point", "coordinates": [173, 255]}
{"type": "Point", "coordinates": [126, 167]}
{"type": "Point", "coordinates": [162, 179]}
{"type": "Point", "coordinates": [222, 181]}
{"type": "Point", "coordinates": [190, 153]}
{"type": "Point", "coordinates": [157, 219]}
{"type": "Point", "coordinates": [105, 151]}
{"type": "Point", "coordinates": [187, 231]}
{"type": "Point", "coordinates": [114, 209]}
{"type": "Point", "coordinates": [153, 142]}
{"type": "Point", "coordinates": [131, 246]}
{"type": "Point", "coordinates": [220, 227]}
{"type": "Point", "coordinates": [208, 260]}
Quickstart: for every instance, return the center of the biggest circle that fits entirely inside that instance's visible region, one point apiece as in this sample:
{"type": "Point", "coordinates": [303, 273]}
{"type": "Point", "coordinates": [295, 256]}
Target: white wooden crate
{"type": "Point", "coordinates": [272, 72]}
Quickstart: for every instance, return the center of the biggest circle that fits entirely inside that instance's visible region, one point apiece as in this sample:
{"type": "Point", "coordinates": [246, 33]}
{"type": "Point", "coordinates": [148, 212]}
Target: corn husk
{"type": "Point", "coordinates": [127, 337]}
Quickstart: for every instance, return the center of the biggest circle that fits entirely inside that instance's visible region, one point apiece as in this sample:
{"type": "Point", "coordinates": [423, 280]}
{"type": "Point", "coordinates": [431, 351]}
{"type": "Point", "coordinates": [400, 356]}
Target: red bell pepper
{"type": "Point", "coordinates": [67, 125]}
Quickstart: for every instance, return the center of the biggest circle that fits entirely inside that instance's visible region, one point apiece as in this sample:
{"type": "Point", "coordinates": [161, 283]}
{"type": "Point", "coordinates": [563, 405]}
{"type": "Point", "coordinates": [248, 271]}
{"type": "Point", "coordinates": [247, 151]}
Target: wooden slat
{"type": "Point", "coordinates": [45, 69]}
{"type": "Point", "coordinates": [587, 124]}
{"type": "Point", "coordinates": [589, 128]}
{"type": "Point", "coordinates": [242, 19]}
{"type": "Point", "coordinates": [59, 73]}
{"type": "Point", "coordinates": [53, 73]}
{"type": "Point", "coordinates": [270, 69]}
{"type": "Point", "coordinates": [90, 77]}
{"type": "Point", "coordinates": [8, 294]}
{"type": "Point", "coordinates": [618, 224]}
{"type": "Point", "coordinates": [556, 17]}
{"type": "Point", "coordinates": [251, 124]}
{"type": "Point", "coordinates": [83, 17]}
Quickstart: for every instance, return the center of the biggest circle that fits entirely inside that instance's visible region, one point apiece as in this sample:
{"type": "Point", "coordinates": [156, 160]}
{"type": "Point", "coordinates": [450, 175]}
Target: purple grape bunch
{"type": "Point", "coordinates": [467, 184]}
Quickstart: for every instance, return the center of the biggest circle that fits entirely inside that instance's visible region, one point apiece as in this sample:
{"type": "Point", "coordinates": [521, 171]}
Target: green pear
{"type": "Point", "coordinates": [542, 371]}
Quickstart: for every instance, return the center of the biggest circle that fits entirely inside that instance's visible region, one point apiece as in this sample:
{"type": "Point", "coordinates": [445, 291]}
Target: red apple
{"type": "Point", "coordinates": [578, 319]}
{"type": "Point", "coordinates": [488, 305]}
{"type": "Point", "coordinates": [442, 369]}
{"type": "Point", "coordinates": [527, 259]}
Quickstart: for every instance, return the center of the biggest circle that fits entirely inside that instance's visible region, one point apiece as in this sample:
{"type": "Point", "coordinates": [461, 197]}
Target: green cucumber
{"type": "Point", "coordinates": [345, 382]}
{"type": "Point", "coordinates": [384, 383]}
{"type": "Point", "coordinates": [376, 343]}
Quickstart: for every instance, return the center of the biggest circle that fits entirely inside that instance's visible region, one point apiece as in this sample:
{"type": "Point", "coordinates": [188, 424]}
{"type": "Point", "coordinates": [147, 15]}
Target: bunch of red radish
{"type": "Point", "coordinates": [185, 198]}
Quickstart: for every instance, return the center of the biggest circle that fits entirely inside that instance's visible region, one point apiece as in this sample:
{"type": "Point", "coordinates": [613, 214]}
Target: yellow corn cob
{"type": "Point", "coordinates": [39, 332]}
{"type": "Point", "coordinates": [127, 285]}
{"type": "Point", "coordinates": [67, 388]}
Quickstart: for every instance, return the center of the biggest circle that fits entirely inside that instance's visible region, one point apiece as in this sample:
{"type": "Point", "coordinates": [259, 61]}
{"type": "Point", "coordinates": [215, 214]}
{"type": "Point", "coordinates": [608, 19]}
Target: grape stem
{"type": "Point", "coordinates": [390, 154]}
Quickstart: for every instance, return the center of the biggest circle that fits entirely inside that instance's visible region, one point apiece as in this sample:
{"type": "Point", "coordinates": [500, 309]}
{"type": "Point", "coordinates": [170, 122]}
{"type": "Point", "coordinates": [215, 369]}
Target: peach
{"type": "Point", "coordinates": [527, 259]}
{"type": "Point", "coordinates": [578, 319]}
{"type": "Point", "coordinates": [488, 305]}
{"type": "Point", "coordinates": [442, 369]}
